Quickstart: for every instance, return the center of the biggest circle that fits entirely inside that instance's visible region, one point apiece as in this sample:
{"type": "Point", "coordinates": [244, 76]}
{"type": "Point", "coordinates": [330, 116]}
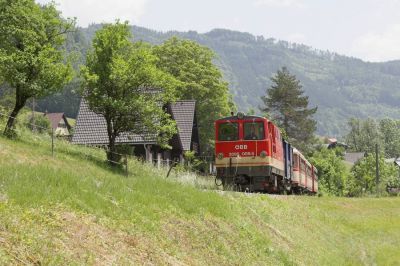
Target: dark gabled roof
{"type": "Point", "coordinates": [183, 112]}
{"type": "Point", "coordinates": [91, 129]}
{"type": "Point", "coordinates": [55, 118]}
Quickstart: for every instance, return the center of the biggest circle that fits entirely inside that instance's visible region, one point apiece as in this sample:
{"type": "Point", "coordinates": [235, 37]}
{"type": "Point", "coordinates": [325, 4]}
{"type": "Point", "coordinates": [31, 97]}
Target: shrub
{"type": "Point", "coordinates": [363, 176]}
{"type": "Point", "coordinates": [38, 123]}
{"type": "Point", "coordinates": [331, 170]}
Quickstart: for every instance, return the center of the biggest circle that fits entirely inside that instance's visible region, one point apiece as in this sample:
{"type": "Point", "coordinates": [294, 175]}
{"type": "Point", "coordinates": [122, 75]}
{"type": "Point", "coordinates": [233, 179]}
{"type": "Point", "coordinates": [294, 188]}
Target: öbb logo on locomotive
{"type": "Point", "coordinates": [241, 147]}
{"type": "Point", "coordinates": [266, 163]}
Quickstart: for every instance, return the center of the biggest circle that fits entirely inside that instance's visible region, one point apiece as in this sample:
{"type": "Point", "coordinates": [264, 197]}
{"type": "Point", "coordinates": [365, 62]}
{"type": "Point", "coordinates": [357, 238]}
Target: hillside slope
{"type": "Point", "coordinates": [341, 86]}
{"type": "Point", "coordinates": [73, 209]}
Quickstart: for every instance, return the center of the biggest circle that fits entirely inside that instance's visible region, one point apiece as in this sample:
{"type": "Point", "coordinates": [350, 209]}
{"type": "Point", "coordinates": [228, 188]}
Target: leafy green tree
{"type": "Point", "coordinates": [286, 105]}
{"type": "Point", "coordinates": [251, 111]}
{"type": "Point", "coordinates": [390, 132]}
{"type": "Point", "coordinates": [363, 135]}
{"type": "Point", "coordinates": [200, 80]}
{"type": "Point", "coordinates": [331, 170]}
{"type": "Point", "coordinates": [122, 83]}
{"type": "Point", "coordinates": [363, 179]}
{"type": "Point", "coordinates": [31, 61]}
{"type": "Point", "coordinates": [7, 100]}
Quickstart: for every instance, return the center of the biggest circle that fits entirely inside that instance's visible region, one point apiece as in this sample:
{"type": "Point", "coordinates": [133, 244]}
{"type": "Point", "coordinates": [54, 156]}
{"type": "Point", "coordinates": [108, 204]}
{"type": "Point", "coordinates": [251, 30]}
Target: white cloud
{"type": "Point", "coordinates": [380, 46]}
{"type": "Point", "coordinates": [279, 3]}
{"type": "Point", "coordinates": [90, 11]}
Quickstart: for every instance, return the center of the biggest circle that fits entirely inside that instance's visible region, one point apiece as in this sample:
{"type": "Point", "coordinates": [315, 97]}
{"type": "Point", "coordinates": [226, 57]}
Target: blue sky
{"type": "Point", "coordinates": [367, 29]}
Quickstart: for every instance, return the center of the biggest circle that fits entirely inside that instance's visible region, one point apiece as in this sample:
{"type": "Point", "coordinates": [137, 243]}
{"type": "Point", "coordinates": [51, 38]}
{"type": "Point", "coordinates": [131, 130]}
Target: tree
{"type": "Point", "coordinates": [390, 131]}
{"type": "Point", "coordinates": [363, 135]}
{"type": "Point", "coordinates": [121, 83]}
{"type": "Point", "coordinates": [331, 170]}
{"type": "Point", "coordinates": [31, 61]}
{"type": "Point", "coordinates": [200, 80]}
{"type": "Point", "coordinates": [286, 106]}
{"type": "Point", "coordinates": [362, 178]}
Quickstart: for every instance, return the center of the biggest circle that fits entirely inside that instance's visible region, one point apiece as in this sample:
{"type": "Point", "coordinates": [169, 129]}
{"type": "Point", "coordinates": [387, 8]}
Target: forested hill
{"type": "Point", "coordinates": [341, 87]}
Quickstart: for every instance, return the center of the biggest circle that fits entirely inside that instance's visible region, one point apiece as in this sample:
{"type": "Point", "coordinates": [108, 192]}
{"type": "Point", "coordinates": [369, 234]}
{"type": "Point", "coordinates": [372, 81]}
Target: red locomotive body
{"type": "Point", "coordinates": [252, 156]}
{"type": "Point", "coordinates": [249, 153]}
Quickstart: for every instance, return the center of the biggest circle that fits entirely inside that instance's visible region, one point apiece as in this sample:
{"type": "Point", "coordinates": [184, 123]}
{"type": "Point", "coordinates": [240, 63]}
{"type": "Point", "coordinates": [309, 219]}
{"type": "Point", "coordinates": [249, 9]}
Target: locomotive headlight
{"type": "Point", "coordinates": [220, 156]}
{"type": "Point", "coordinates": [263, 154]}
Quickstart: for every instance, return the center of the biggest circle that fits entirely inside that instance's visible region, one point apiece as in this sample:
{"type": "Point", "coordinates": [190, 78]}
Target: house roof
{"type": "Point", "coordinates": [183, 112]}
{"type": "Point", "coordinates": [91, 128]}
{"type": "Point", "coordinates": [55, 118]}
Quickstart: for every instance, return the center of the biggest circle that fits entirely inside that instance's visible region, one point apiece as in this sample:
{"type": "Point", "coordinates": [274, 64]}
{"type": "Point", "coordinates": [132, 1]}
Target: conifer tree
{"type": "Point", "coordinates": [286, 105]}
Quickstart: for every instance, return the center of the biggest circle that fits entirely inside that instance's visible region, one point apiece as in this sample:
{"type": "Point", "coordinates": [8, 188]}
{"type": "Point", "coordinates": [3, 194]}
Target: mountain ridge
{"type": "Point", "coordinates": [341, 86]}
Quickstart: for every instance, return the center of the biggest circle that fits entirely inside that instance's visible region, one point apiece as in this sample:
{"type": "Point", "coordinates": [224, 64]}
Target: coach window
{"type": "Point", "coordinates": [309, 171]}
{"type": "Point", "coordinates": [253, 130]}
{"type": "Point", "coordinates": [302, 166]}
{"type": "Point", "coordinates": [295, 162]}
{"type": "Point", "coordinates": [228, 131]}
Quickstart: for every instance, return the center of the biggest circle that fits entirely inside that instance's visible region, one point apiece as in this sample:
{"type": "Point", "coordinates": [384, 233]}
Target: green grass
{"type": "Point", "coordinates": [73, 209]}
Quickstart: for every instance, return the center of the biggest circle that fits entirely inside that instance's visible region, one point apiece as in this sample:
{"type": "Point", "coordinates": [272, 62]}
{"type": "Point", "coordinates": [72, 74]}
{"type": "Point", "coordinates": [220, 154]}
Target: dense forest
{"type": "Point", "coordinates": [342, 87]}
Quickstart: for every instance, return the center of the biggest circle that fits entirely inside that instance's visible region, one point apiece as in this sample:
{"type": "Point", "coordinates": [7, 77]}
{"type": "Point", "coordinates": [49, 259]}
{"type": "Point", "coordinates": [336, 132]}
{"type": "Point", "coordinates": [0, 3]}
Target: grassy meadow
{"type": "Point", "coordinates": [73, 209]}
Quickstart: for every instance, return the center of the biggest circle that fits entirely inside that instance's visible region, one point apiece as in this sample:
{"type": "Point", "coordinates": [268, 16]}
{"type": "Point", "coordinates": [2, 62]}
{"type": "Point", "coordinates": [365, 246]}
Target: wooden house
{"type": "Point", "coordinates": [59, 123]}
{"type": "Point", "coordinates": [91, 129]}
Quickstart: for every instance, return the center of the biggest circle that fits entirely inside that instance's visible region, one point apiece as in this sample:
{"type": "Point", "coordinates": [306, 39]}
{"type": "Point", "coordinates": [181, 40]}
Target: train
{"type": "Point", "coordinates": [251, 155]}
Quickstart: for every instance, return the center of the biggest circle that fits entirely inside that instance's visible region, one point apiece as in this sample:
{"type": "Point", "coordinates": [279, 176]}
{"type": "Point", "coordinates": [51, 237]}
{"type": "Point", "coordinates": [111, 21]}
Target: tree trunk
{"type": "Point", "coordinates": [112, 156]}
{"type": "Point", "coordinates": [9, 130]}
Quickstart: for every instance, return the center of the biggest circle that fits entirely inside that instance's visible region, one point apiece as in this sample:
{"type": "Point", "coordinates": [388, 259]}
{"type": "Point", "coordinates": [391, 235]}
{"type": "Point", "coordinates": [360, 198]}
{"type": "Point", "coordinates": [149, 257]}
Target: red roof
{"type": "Point", "coordinates": [54, 118]}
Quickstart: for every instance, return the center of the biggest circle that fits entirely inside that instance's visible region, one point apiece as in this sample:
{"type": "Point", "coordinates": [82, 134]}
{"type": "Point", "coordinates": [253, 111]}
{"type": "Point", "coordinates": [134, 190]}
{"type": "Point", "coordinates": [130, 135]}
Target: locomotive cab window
{"type": "Point", "coordinates": [253, 130]}
{"type": "Point", "coordinates": [228, 131]}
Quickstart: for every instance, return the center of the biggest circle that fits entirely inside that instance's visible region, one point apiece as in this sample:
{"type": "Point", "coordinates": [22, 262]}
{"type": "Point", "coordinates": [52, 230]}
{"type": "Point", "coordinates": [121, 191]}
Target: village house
{"type": "Point", "coordinates": [350, 157]}
{"type": "Point", "coordinates": [91, 129]}
{"type": "Point", "coordinates": [59, 124]}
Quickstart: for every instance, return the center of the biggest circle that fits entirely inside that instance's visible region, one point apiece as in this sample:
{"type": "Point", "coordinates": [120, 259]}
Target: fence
{"type": "Point", "coordinates": [54, 139]}
{"type": "Point", "coordinates": [208, 160]}
{"type": "Point", "coordinates": [167, 165]}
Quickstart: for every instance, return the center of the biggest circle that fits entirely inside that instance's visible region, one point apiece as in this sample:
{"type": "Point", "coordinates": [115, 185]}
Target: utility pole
{"type": "Point", "coordinates": [377, 168]}
{"type": "Point", "coordinates": [33, 114]}
{"type": "Point", "coordinates": [52, 141]}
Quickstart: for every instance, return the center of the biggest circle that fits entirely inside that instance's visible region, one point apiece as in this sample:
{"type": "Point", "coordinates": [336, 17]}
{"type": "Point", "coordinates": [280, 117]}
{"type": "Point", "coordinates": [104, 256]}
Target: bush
{"type": "Point", "coordinates": [39, 123]}
{"type": "Point", "coordinates": [331, 170]}
{"type": "Point", "coordinates": [362, 179]}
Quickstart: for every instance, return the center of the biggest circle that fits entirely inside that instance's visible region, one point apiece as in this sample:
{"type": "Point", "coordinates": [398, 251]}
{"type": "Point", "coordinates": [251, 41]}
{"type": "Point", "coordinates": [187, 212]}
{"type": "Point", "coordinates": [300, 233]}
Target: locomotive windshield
{"type": "Point", "coordinates": [228, 131]}
{"type": "Point", "coordinates": [253, 130]}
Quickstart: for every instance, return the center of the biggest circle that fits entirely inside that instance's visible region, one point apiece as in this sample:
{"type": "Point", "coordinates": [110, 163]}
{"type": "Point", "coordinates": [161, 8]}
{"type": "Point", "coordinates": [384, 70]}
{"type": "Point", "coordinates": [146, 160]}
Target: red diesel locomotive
{"type": "Point", "coordinates": [251, 155]}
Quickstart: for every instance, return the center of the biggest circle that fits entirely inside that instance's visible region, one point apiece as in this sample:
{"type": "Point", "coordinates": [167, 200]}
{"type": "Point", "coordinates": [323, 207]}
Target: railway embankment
{"type": "Point", "coordinates": [71, 208]}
